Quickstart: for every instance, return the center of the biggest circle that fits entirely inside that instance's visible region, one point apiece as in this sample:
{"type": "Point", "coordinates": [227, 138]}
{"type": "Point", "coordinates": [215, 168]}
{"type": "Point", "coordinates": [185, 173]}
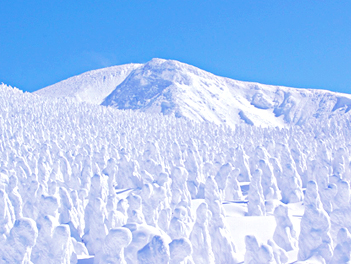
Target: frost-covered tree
{"type": "Point", "coordinates": [113, 248]}
{"type": "Point", "coordinates": [255, 204]}
{"type": "Point", "coordinates": [200, 237]}
{"type": "Point", "coordinates": [256, 253]}
{"type": "Point", "coordinates": [180, 251]}
{"type": "Point", "coordinates": [314, 238]}
{"type": "Point", "coordinates": [18, 245]}
{"type": "Point", "coordinates": [342, 250]}
{"type": "Point", "coordinates": [284, 234]}
{"type": "Point", "coordinates": [155, 252]}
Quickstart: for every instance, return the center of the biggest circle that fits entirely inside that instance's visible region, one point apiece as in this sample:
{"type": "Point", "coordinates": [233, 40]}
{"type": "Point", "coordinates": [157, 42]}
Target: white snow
{"type": "Point", "coordinates": [85, 183]}
{"type": "Point", "coordinates": [174, 88]}
{"type": "Point", "coordinates": [91, 87]}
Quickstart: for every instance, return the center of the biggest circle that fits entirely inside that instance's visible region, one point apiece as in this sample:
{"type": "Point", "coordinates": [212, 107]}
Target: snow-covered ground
{"type": "Point", "coordinates": [84, 183]}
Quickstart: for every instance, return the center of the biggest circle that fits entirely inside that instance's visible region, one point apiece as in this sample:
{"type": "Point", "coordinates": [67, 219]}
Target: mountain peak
{"type": "Point", "coordinates": [155, 61]}
{"type": "Point", "coordinates": [174, 88]}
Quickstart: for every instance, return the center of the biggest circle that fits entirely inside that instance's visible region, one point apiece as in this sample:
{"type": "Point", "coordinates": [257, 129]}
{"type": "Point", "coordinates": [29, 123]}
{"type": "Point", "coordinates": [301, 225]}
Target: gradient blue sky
{"type": "Point", "coordinates": [287, 42]}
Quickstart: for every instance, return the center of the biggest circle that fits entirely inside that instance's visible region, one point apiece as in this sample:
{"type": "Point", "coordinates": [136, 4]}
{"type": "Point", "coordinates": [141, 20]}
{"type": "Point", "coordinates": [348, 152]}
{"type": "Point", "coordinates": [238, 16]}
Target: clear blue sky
{"type": "Point", "coordinates": [287, 42]}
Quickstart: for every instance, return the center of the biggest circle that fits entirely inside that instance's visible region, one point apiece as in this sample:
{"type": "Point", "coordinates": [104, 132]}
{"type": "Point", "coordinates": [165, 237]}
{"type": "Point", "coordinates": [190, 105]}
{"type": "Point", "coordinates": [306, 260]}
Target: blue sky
{"type": "Point", "coordinates": [287, 42]}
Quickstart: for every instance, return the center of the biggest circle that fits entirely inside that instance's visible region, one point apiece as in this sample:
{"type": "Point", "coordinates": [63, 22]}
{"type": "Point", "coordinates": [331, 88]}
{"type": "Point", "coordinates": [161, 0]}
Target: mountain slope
{"type": "Point", "coordinates": [91, 87]}
{"type": "Point", "coordinates": [174, 88]}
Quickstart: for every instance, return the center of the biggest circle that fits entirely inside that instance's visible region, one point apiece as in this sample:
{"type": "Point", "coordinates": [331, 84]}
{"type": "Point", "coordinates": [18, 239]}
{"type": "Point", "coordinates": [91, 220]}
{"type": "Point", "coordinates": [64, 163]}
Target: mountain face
{"type": "Point", "coordinates": [91, 87]}
{"type": "Point", "coordinates": [173, 88]}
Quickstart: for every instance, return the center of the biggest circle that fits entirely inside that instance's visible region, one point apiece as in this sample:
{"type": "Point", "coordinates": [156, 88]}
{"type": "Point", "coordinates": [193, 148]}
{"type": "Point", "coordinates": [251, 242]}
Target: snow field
{"type": "Point", "coordinates": [78, 180]}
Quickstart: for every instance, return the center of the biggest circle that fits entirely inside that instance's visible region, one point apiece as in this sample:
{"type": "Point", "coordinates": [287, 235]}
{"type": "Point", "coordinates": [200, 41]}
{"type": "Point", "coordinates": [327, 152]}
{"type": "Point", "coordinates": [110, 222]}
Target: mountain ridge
{"type": "Point", "coordinates": [83, 87]}
{"type": "Point", "coordinates": [174, 88]}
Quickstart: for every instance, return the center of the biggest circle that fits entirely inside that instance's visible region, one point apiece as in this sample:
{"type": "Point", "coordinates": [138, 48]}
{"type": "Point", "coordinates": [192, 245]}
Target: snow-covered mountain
{"type": "Point", "coordinates": [174, 88]}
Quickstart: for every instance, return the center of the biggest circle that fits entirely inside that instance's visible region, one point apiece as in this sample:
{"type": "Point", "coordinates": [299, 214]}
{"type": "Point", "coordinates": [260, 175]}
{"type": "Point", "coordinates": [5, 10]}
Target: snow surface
{"type": "Point", "coordinates": [174, 88]}
{"type": "Point", "coordinates": [91, 87]}
{"type": "Point", "coordinates": [85, 183]}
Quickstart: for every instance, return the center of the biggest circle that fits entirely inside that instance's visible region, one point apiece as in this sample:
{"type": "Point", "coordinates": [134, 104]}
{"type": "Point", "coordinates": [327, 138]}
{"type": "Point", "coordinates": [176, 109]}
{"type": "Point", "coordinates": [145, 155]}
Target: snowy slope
{"type": "Point", "coordinates": [91, 87]}
{"type": "Point", "coordinates": [174, 88]}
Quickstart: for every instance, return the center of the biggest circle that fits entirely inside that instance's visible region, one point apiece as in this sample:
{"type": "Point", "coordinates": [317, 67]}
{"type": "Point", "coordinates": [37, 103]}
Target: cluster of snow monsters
{"type": "Point", "coordinates": [63, 163]}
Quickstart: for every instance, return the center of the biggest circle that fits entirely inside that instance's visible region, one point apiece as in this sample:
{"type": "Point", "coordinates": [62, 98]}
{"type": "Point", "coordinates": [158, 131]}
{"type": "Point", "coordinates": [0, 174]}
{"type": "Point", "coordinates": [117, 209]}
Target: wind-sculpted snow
{"type": "Point", "coordinates": [173, 88]}
{"type": "Point", "coordinates": [78, 179]}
